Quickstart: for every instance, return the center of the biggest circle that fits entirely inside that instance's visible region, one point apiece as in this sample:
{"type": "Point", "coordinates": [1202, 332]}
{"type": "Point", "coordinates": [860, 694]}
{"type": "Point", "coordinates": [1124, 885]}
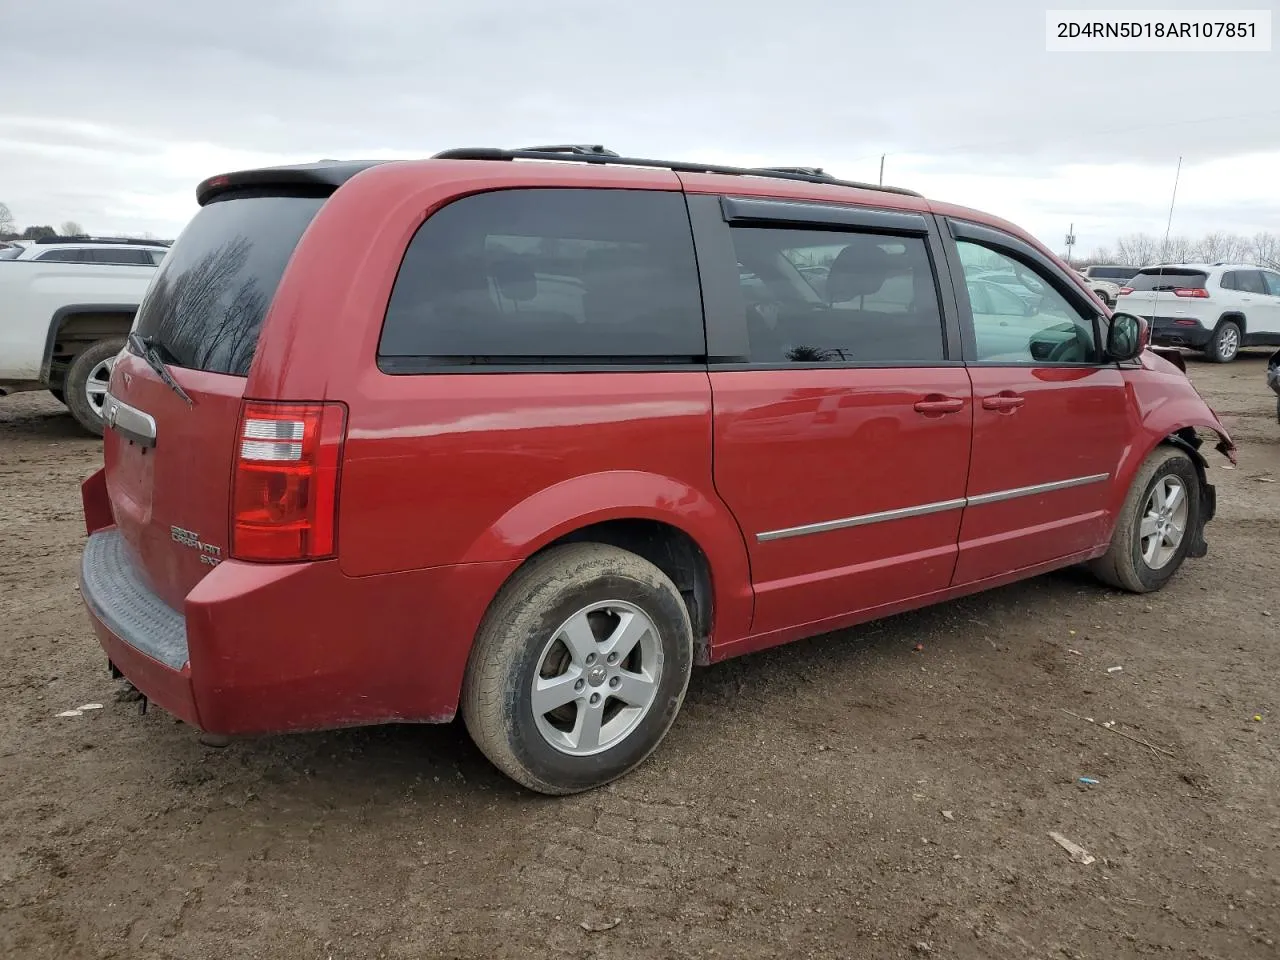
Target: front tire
{"type": "Point", "coordinates": [579, 668]}
{"type": "Point", "coordinates": [85, 389]}
{"type": "Point", "coordinates": [1158, 523]}
{"type": "Point", "coordinates": [1225, 345]}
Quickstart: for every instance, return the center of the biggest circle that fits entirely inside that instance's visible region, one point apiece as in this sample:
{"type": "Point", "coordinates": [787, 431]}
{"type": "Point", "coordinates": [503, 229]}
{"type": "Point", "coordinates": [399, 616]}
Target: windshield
{"type": "Point", "coordinates": [205, 308]}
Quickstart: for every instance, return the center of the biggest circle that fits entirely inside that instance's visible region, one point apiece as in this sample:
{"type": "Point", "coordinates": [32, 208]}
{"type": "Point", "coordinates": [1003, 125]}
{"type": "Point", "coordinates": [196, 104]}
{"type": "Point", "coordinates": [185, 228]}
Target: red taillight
{"type": "Point", "coordinates": [1200, 293]}
{"type": "Point", "coordinates": [1125, 291]}
{"type": "Point", "coordinates": [284, 498]}
{"type": "Point", "coordinates": [1186, 323]}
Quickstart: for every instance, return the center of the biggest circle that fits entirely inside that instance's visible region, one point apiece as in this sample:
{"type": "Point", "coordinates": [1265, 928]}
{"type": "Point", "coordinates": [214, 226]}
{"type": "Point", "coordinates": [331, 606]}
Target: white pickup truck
{"type": "Point", "coordinates": [63, 323]}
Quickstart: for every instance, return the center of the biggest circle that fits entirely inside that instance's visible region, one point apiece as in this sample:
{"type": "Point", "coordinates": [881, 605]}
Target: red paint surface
{"type": "Point", "coordinates": [449, 482]}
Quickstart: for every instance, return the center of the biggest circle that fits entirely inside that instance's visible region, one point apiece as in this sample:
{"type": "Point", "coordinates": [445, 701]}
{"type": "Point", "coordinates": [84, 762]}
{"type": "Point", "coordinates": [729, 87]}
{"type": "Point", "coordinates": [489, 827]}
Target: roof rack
{"type": "Point", "coordinates": [85, 238]}
{"type": "Point", "coordinates": [586, 153]}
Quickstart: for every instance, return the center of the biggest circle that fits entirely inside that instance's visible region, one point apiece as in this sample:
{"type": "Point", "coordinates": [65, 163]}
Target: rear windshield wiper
{"type": "Point", "coordinates": [146, 349]}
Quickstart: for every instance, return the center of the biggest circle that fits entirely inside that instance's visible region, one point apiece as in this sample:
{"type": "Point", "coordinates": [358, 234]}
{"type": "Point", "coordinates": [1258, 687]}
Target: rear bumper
{"type": "Point", "coordinates": [146, 640]}
{"type": "Point", "coordinates": [270, 648]}
{"type": "Point", "coordinates": [1179, 332]}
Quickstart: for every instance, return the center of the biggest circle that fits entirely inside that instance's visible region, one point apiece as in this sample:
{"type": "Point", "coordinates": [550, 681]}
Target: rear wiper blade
{"type": "Point", "coordinates": [147, 350]}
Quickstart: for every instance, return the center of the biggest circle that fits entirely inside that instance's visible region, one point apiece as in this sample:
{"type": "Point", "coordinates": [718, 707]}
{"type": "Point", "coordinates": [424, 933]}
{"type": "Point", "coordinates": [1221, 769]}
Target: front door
{"type": "Point", "coordinates": [842, 437]}
{"type": "Point", "coordinates": [1051, 419]}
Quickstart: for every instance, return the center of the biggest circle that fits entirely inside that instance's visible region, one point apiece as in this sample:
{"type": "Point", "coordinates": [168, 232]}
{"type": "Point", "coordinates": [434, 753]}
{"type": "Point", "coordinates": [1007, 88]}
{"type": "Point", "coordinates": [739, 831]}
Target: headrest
{"type": "Point", "coordinates": [514, 277]}
{"type": "Point", "coordinates": [861, 268]}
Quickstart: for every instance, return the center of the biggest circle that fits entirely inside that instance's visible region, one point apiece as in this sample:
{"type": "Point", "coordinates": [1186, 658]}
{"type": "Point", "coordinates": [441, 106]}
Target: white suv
{"type": "Point", "coordinates": [135, 253]}
{"type": "Point", "coordinates": [1217, 308]}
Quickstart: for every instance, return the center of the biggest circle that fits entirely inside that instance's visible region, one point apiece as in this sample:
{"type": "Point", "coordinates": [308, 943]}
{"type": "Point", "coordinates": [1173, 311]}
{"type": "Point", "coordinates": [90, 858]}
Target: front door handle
{"type": "Point", "coordinates": [1005, 402]}
{"type": "Point", "coordinates": [935, 404]}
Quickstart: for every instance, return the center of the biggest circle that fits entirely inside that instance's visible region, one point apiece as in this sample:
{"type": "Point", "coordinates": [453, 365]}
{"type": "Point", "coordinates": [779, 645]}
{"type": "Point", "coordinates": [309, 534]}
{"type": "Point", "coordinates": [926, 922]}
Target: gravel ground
{"type": "Point", "coordinates": [848, 796]}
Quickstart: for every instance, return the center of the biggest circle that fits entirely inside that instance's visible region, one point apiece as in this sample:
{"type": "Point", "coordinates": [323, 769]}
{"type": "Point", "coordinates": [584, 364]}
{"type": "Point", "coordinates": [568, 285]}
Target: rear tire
{"type": "Point", "coordinates": [86, 384]}
{"type": "Point", "coordinates": [1225, 345]}
{"type": "Point", "coordinates": [543, 666]}
{"type": "Point", "coordinates": [1141, 557]}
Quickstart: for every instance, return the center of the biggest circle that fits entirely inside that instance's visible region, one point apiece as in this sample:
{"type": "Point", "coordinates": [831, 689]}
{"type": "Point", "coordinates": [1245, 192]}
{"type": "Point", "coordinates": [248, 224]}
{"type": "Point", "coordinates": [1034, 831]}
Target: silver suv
{"type": "Point", "coordinates": [135, 253]}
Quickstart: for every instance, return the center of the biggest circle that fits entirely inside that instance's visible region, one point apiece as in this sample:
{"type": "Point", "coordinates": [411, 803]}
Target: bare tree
{"type": "Point", "coordinates": [1220, 246]}
{"type": "Point", "coordinates": [72, 229]}
{"type": "Point", "coordinates": [1264, 249]}
{"type": "Point", "coordinates": [7, 223]}
{"type": "Point", "coordinates": [1178, 250]}
{"type": "Point", "coordinates": [1137, 250]}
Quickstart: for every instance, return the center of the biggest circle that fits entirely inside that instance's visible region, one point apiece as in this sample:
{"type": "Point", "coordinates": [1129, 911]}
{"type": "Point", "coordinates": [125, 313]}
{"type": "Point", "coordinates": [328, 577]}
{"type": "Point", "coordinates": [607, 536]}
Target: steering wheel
{"type": "Point", "coordinates": [1059, 354]}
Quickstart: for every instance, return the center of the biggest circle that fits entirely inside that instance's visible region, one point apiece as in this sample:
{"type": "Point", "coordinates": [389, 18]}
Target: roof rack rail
{"type": "Point", "coordinates": [807, 171]}
{"type": "Point", "coordinates": [85, 238]}
{"type": "Point", "coordinates": [599, 154]}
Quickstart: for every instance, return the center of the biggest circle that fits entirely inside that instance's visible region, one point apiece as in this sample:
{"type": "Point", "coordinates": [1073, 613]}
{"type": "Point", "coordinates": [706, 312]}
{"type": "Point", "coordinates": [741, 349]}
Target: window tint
{"type": "Point", "coordinates": [555, 275]}
{"type": "Point", "coordinates": [1272, 280]}
{"type": "Point", "coordinates": [1250, 281]}
{"type": "Point", "coordinates": [63, 256]}
{"type": "Point", "coordinates": [205, 306]}
{"type": "Point", "coordinates": [1167, 278]}
{"type": "Point", "coordinates": [119, 255]}
{"type": "Point", "coordinates": [1116, 274]}
{"type": "Point", "coordinates": [820, 296]}
{"type": "Point", "coordinates": [1018, 317]}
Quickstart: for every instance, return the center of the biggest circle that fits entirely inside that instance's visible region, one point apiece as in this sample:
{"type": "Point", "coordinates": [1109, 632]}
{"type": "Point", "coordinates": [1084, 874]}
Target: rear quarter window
{"type": "Point", "coordinates": [547, 276]}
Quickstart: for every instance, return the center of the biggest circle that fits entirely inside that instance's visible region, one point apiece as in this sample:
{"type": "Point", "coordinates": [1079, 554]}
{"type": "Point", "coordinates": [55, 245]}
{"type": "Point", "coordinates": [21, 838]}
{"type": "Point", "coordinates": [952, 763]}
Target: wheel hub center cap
{"type": "Point", "coordinates": [596, 675]}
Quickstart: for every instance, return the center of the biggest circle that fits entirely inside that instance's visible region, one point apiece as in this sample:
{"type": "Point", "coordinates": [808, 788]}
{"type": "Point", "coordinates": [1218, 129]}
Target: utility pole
{"type": "Point", "coordinates": [1071, 241]}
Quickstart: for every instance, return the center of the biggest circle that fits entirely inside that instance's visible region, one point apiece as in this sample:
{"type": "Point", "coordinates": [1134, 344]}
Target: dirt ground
{"type": "Point", "coordinates": [849, 796]}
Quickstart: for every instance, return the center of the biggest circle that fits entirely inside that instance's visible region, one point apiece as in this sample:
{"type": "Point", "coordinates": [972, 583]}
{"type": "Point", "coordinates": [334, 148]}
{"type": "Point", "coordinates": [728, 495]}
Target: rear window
{"type": "Point", "coordinates": [548, 276]}
{"type": "Point", "coordinates": [1112, 273]}
{"type": "Point", "coordinates": [205, 307]}
{"type": "Point", "coordinates": [1167, 278]}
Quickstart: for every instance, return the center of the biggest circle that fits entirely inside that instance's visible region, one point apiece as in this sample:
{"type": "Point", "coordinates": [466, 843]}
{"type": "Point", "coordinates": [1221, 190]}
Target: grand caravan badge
{"type": "Point", "coordinates": [209, 554]}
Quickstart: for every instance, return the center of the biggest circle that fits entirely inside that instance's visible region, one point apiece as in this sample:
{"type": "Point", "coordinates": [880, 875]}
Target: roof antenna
{"type": "Point", "coordinates": [1164, 253]}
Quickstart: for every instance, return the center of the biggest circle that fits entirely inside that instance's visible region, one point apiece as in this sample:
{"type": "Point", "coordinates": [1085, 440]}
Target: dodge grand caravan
{"type": "Point", "coordinates": [529, 440]}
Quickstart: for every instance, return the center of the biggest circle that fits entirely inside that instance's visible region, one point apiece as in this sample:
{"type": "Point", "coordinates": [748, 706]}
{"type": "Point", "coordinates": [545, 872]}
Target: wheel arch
{"type": "Point", "coordinates": [91, 315]}
{"type": "Point", "coordinates": [1184, 436]}
{"type": "Point", "coordinates": [1235, 316]}
{"type": "Point", "coordinates": [687, 534]}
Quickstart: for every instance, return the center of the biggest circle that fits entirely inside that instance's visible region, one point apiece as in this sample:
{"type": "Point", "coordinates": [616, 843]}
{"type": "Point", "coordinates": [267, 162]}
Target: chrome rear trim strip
{"type": "Point", "coordinates": [130, 422]}
{"type": "Point", "coordinates": [925, 509]}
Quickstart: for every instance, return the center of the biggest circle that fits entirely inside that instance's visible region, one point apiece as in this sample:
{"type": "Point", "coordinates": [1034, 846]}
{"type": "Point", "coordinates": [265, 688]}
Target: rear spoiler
{"type": "Point", "coordinates": [311, 179]}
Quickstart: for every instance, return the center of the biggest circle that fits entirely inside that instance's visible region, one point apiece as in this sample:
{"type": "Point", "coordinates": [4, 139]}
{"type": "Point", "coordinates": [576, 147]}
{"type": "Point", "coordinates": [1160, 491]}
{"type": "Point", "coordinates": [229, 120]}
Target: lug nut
{"type": "Point", "coordinates": [579, 684]}
{"type": "Point", "coordinates": [615, 682]}
{"type": "Point", "coordinates": [595, 698]}
{"type": "Point", "coordinates": [591, 658]}
{"type": "Point", "coordinates": [613, 658]}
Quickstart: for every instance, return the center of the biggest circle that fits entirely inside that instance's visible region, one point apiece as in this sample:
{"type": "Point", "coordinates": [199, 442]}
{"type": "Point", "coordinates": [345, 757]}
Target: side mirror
{"type": "Point", "coordinates": [1127, 337]}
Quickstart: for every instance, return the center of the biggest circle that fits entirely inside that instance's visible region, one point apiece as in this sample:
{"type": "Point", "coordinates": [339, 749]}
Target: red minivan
{"type": "Point", "coordinates": [529, 433]}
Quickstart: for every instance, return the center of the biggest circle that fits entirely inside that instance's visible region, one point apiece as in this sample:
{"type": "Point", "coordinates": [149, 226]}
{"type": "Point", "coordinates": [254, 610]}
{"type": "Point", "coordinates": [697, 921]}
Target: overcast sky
{"type": "Point", "coordinates": [111, 112]}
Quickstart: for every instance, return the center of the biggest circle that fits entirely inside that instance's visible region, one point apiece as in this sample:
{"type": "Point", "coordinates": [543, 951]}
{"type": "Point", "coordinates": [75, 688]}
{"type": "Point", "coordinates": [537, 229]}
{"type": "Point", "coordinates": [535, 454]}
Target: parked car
{"type": "Point", "coordinates": [1112, 273]}
{"type": "Point", "coordinates": [64, 318]}
{"type": "Point", "coordinates": [1106, 291]}
{"type": "Point", "coordinates": [564, 430]}
{"type": "Point", "coordinates": [142, 253]}
{"type": "Point", "coordinates": [1216, 308]}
